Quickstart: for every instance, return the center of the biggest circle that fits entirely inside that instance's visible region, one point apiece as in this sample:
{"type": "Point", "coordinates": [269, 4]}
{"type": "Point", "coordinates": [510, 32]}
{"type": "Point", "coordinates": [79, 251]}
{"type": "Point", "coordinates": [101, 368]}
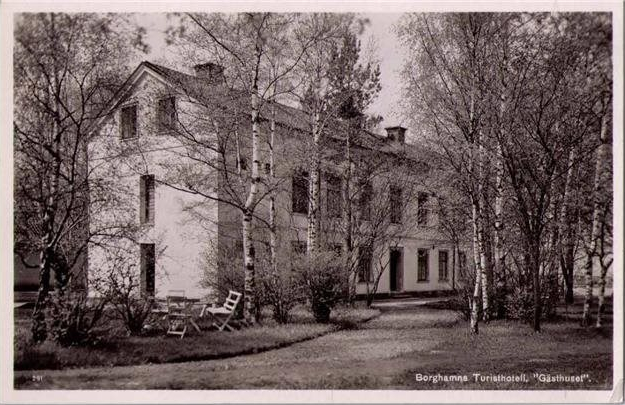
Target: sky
{"type": "Point", "coordinates": [389, 53]}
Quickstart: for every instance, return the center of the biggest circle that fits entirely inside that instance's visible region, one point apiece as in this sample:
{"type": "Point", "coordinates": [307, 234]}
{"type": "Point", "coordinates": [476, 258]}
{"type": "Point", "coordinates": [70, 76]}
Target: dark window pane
{"type": "Point", "coordinates": [146, 199]}
{"type": "Point", "coordinates": [129, 122]}
{"type": "Point", "coordinates": [422, 209]}
{"type": "Point", "coordinates": [335, 201]}
{"type": "Point", "coordinates": [443, 265]}
{"type": "Point", "coordinates": [366, 194]}
{"type": "Point", "coordinates": [299, 197]}
{"type": "Point", "coordinates": [298, 247]}
{"type": "Point", "coordinates": [364, 264]}
{"type": "Point", "coordinates": [167, 113]}
{"type": "Point", "coordinates": [148, 266]}
{"type": "Point", "coordinates": [422, 271]}
{"type": "Point", "coordinates": [395, 194]}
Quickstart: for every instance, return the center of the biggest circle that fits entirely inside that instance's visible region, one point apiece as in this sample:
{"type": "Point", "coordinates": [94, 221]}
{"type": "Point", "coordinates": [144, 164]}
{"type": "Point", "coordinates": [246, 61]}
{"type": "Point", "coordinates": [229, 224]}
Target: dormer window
{"type": "Point", "coordinates": [129, 122]}
{"type": "Point", "coordinates": [167, 113]}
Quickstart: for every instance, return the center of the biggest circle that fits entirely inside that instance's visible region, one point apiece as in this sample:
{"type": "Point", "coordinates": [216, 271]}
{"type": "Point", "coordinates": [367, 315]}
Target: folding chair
{"type": "Point", "coordinates": [225, 312]}
{"type": "Point", "coordinates": [178, 314]}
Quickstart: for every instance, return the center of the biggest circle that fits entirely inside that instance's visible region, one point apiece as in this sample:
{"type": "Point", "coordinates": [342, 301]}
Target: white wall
{"type": "Point", "coordinates": [179, 236]}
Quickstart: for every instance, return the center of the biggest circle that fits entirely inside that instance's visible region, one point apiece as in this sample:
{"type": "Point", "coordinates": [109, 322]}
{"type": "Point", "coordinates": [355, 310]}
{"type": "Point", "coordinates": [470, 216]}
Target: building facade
{"type": "Point", "coordinates": [174, 148]}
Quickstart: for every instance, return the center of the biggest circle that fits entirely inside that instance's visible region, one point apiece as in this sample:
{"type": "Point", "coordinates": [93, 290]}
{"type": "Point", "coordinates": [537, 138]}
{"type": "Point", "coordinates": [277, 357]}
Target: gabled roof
{"type": "Point", "coordinates": [217, 96]}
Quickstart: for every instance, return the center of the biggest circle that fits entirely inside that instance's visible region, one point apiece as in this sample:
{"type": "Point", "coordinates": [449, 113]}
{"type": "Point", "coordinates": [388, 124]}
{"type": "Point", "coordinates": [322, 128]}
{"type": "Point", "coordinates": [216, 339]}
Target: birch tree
{"type": "Point", "coordinates": [65, 69]}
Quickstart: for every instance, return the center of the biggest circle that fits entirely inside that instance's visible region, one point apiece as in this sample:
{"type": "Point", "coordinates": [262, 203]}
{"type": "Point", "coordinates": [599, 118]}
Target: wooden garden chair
{"type": "Point", "coordinates": [223, 314]}
{"type": "Point", "coordinates": [179, 313]}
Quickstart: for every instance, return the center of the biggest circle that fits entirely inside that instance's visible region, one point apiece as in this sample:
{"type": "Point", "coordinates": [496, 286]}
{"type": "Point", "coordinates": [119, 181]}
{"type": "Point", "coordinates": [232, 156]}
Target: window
{"type": "Point", "coordinates": [364, 264]}
{"type": "Point", "coordinates": [335, 201]}
{"type": "Point", "coordinates": [422, 271]}
{"type": "Point", "coordinates": [364, 201]}
{"type": "Point", "coordinates": [396, 204]}
{"type": "Point", "coordinates": [146, 199]}
{"type": "Point", "coordinates": [299, 196]}
{"type": "Point", "coordinates": [443, 265]}
{"type": "Point", "coordinates": [462, 261]}
{"type": "Point", "coordinates": [298, 247]}
{"type": "Point", "coordinates": [129, 122]}
{"type": "Point", "coordinates": [167, 113]}
{"type": "Point", "coordinates": [148, 265]}
{"type": "Point", "coordinates": [422, 210]}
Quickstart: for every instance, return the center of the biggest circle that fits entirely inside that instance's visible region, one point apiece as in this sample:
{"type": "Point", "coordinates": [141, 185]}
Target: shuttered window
{"type": "Point", "coordinates": [146, 199]}
{"type": "Point", "coordinates": [148, 266]}
{"type": "Point", "coordinates": [129, 122]}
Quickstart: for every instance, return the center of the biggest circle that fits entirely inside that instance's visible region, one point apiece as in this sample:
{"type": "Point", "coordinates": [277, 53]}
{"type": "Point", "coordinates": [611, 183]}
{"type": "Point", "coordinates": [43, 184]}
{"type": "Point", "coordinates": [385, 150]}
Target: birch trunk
{"type": "Point", "coordinates": [566, 245]}
{"type": "Point", "coordinates": [272, 194]}
{"type": "Point", "coordinates": [475, 302]}
{"type": "Point", "coordinates": [47, 254]}
{"type": "Point", "coordinates": [481, 237]}
{"type": "Point", "coordinates": [602, 152]}
{"type": "Point", "coordinates": [602, 281]}
{"type": "Point", "coordinates": [347, 220]}
{"type": "Point", "coordinates": [499, 260]}
{"type": "Point", "coordinates": [314, 189]}
{"type": "Point", "coordinates": [250, 312]}
{"type": "Point", "coordinates": [535, 267]}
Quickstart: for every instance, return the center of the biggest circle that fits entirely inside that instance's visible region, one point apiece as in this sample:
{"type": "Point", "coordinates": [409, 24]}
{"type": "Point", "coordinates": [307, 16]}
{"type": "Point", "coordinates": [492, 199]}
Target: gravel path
{"type": "Point", "coordinates": [375, 355]}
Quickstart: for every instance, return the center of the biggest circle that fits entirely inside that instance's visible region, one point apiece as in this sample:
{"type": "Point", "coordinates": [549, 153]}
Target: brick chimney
{"type": "Point", "coordinates": [397, 134]}
{"type": "Point", "coordinates": [211, 71]}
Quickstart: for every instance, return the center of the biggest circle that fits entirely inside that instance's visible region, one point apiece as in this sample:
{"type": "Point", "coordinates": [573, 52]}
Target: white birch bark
{"type": "Point", "coordinates": [272, 195]}
{"type": "Point", "coordinates": [474, 305]}
{"type": "Point", "coordinates": [602, 152]}
{"type": "Point", "coordinates": [249, 308]}
{"type": "Point", "coordinates": [565, 246]}
{"type": "Point", "coordinates": [314, 187]}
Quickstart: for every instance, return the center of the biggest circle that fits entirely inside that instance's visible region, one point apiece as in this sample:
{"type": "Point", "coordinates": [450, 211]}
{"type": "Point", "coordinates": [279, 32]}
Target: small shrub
{"type": "Point", "coordinates": [323, 283]}
{"type": "Point", "coordinates": [281, 290]}
{"type": "Point", "coordinates": [130, 306]}
{"type": "Point", "coordinates": [520, 304]}
{"type": "Point", "coordinates": [73, 318]}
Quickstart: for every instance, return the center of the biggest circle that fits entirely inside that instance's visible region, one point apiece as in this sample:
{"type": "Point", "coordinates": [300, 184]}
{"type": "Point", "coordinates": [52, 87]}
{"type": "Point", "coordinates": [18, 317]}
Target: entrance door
{"type": "Point", "coordinates": [396, 269]}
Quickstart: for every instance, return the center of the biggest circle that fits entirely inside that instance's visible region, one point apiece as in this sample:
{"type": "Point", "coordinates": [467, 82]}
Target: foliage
{"type": "Point", "coordinates": [282, 291]}
{"type": "Point", "coordinates": [323, 282]}
{"type": "Point", "coordinates": [511, 105]}
{"type": "Point", "coordinates": [73, 318]}
{"type": "Point", "coordinates": [66, 66]}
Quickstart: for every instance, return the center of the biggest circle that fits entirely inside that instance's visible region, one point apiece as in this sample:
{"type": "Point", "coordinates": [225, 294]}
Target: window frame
{"type": "Point", "coordinates": [336, 188]}
{"type": "Point", "coordinates": [147, 285]}
{"type": "Point", "coordinates": [396, 204]}
{"type": "Point", "coordinates": [365, 252]}
{"type": "Point", "coordinates": [443, 276]}
{"type": "Point", "coordinates": [365, 200]}
{"type": "Point", "coordinates": [423, 214]}
{"type": "Point", "coordinates": [161, 113]}
{"type": "Point", "coordinates": [147, 199]}
{"type": "Point", "coordinates": [122, 114]}
{"type": "Point", "coordinates": [301, 178]}
{"type": "Point", "coordinates": [423, 253]}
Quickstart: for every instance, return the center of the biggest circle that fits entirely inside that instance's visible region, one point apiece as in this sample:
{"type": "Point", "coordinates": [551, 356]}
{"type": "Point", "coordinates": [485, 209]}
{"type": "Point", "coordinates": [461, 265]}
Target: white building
{"type": "Point", "coordinates": [181, 213]}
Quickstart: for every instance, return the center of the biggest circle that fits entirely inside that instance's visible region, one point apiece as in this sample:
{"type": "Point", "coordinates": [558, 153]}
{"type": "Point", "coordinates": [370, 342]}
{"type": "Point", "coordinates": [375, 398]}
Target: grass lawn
{"type": "Point", "coordinates": [120, 350]}
{"type": "Point", "coordinates": [513, 349]}
{"type": "Point", "coordinates": [384, 353]}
